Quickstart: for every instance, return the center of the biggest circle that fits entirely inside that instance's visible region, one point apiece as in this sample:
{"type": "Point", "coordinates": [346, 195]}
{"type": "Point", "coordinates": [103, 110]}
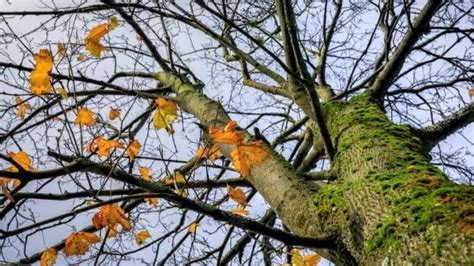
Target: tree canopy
{"type": "Point", "coordinates": [245, 132]}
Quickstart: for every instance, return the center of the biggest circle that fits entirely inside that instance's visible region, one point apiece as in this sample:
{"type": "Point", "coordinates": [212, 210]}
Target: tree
{"type": "Point", "coordinates": [351, 104]}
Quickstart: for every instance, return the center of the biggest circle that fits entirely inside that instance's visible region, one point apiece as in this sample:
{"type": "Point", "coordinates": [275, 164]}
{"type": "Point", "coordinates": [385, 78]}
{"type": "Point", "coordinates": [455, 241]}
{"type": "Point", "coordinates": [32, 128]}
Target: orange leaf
{"type": "Point", "coordinates": [192, 228]}
{"type": "Point", "coordinates": [227, 135]}
{"type": "Point", "coordinates": [22, 107]}
{"type": "Point", "coordinates": [63, 93]}
{"type": "Point", "coordinates": [152, 201]}
{"type": "Point", "coordinates": [245, 156]}
{"type": "Point", "coordinates": [85, 117]}
{"type": "Point", "coordinates": [145, 173]}
{"type": "Point", "coordinates": [79, 243]}
{"type": "Point", "coordinates": [299, 260]}
{"type": "Point", "coordinates": [141, 236]}
{"type": "Point", "coordinates": [112, 231]}
{"type": "Point", "coordinates": [105, 146]}
{"type": "Point", "coordinates": [133, 149]}
{"type": "Point", "coordinates": [114, 113]}
{"type": "Point", "coordinates": [92, 40]}
{"type": "Point", "coordinates": [212, 154]}
{"type": "Point", "coordinates": [237, 195]}
{"type": "Point", "coordinates": [165, 114]}
{"type": "Point", "coordinates": [48, 258]}
{"type": "Point", "coordinates": [240, 211]}
{"type": "Point", "coordinates": [471, 92]}
{"type": "Point", "coordinates": [61, 49]}
{"type": "Point", "coordinates": [39, 78]}
{"type": "Point", "coordinates": [110, 215]}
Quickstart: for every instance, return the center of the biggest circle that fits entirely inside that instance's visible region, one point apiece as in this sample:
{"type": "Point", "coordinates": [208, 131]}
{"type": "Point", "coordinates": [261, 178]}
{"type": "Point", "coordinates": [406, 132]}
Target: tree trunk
{"type": "Point", "coordinates": [389, 205]}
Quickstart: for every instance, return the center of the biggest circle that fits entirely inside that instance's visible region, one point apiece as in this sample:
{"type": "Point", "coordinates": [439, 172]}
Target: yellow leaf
{"type": "Point", "coordinates": [165, 114]}
{"type": "Point", "coordinates": [104, 146]}
{"type": "Point", "coordinates": [212, 154]}
{"type": "Point", "coordinates": [299, 260]}
{"type": "Point", "coordinates": [79, 243]}
{"type": "Point", "coordinates": [133, 149]}
{"type": "Point", "coordinates": [112, 231]}
{"type": "Point", "coordinates": [22, 159]}
{"type": "Point", "coordinates": [61, 91]}
{"type": "Point", "coordinates": [227, 135]}
{"type": "Point", "coordinates": [39, 78]}
{"type": "Point", "coordinates": [61, 49]}
{"type": "Point", "coordinates": [113, 23]}
{"type": "Point", "coordinates": [240, 211]}
{"type": "Point", "coordinates": [48, 258]}
{"type": "Point", "coordinates": [237, 195]}
{"type": "Point", "coordinates": [81, 57]}
{"type": "Point", "coordinates": [85, 117]}
{"type": "Point", "coordinates": [145, 173]}
{"type": "Point", "coordinates": [110, 215]}
{"type": "Point", "coordinates": [92, 40]}
{"type": "Point", "coordinates": [192, 228]}
{"type": "Point", "coordinates": [22, 107]}
{"type": "Point", "coordinates": [245, 156]}
{"type": "Point", "coordinates": [152, 201]}
{"type": "Point", "coordinates": [311, 259]}
{"type": "Point", "coordinates": [114, 113]}
{"type": "Point", "coordinates": [296, 258]}
{"type": "Point", "coordinates": [141, 237]}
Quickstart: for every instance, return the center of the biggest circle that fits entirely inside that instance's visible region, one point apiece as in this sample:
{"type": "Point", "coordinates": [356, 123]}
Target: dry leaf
{"type": "Point", "coordinates": [63, 93]}
{"type": "Point", "coordinates": [85, 117]}
{"type": "Point", "coordinates": [104, 146]}
{"type": "Point", "coordinates": [39, 78]}
{"type": "Point", "coordinates": [245, 156]}
{"type": "Point", "coordinates": [48, 258]}
{"type": "Point", "coordinates": [212, 154]}
{"type": "Point", "coordinates": [79, 243]}
{"type": "Point", "coordinates": [92, 40]}
{"type": "Point", "coordinates": [145, 173]}
{"type": "Point", "coordinates": [227, 135]}
{"type": "Point", "coordinates": [152, 201]}
{"type": "Point", "coordinates": [22, 107]}
{"type": "Point", "coordinates": [110, 215]}
{"type": "Point", "coordinates": [114, 113]}
{"type": "Point", "coordinates": [471, 92]}
{"type": "Point", "coordinates": [113, 23]}
{"type": "Point", "coordinates": [237, 195]}
{"type": "Point", "coordinates": [309, 260]}
{"type": "Point", "coordinates": [141, 237]}
{"type": "Point", "coordinates": [133, 149]}
{"type": "Point", "coordinates": [192, 228]}
{"type": "Point", "coordinates": [81, 57]}
{"type": "Point", "coordinates": [165, 114]}
{"type": "Point", "coordinates": [61, 49]}
{"type": "Point", "coordinates": [112, 231]}
{"type": "Point", "coordinates": [240, 211]}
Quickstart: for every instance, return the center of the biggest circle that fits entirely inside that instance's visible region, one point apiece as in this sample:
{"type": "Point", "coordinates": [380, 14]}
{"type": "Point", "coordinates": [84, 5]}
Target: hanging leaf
{"type": "Point", "coordinates": [81, 57]}
{"type": "Point", "coordinates": [471, 92]}
{"type": "Point", "coordinates": [113, 23]}
{"type": "Point", "coordinates": [39, 78]}
{"type": "Point", "coordinates": [165, 114]}
{"type": "Point", "coordinates": [145, 173]}
{"type": "Point", "coordinates": [152, 201]}
{"type": "Point", "coordinates": [141, 237]}
{"type": "Point", "coordinates": [245, 156]}
{"type": "Point", "coordinates": [110, 215]}
{"type": "Point", "coordinates": [48, 258]}
{"type": "Point", "coordinates": [114, 113]}
{"type": "Point", "coordinates": [61, 49]}
{"type": "Point", "coordinates": [227, 135]}
{"type": "Point", "coordinates": [240, 211]}
{"type": "Point", "coordinates": [61, 91]}
{"type": "Point", "coordinates": [192, 228]}
{"type": "Point", "coordinates": [212, 154]}
{"type": "Point", "coordinates": [112, 231]}
{"type": "Point", "coordinates": [22, 107]}
{"type": "Point", "coordinates": [92, 40]}
{"type": "Point", "coordinates": [79, 243]}
{"type": "Point", "coordinates": [133, 149]}
{"type": "Point", "coordinates": [104, 146]}
{"type": "Point", "coordinates": [85, 117]}
{"type": "Point", "coordinates": [299, 260]}
{"type": "Point", "coordinates": [237, 195]}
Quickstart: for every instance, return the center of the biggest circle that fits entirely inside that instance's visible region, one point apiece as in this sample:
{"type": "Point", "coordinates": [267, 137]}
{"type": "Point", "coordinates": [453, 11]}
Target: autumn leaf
{"type": "Point", "coordinates": [114, 113]}
{"type": "Point", "coordinates": [133, 149]}
{"type": "Point", "coordinates": [39, 78]}
{"type": "Point", "coordinates": [309, 260]}
{"type": "Point", "coordinates": [240, 211]}
{"type": "Point", "coordinates": [212, 154]}
{"type": "Point", "coordinates": [139, 38]}
{"type": "Point", "coordinates": [103, 146]}
{"type": "Point", "coordinates": [237, 195]}
{"type": "Point", "coordinates": [152, 201]}
{"type": "Point", "coordinates": [79, 243]}
{"type": "Point", "coordinates": [165, 114]}
{"type": "Point", "coordinates": [145, 173]}
{"type": "Point", "coordinates": [110, 215]}
{"type": "Point", "coordinates": [141, 237]}
{"type": "Point", "coordinates": [61, 91]}
{"type": "Point", "coordinates": [81, 57]}
{"type": "Point", "coordinates": [48, 258]}
{"type": "Point", "coordinates": [245, 156]}
{"type": "Point", "coordinates": [471, 92]}
{"type": "Point", "coordinates": [113, 23]}
{"type": "Point", "coordinates": [177, 178]}
{"type": "Point", "coordinates": [22, 159]}
{"type": "Point", "coordinates": [92, 40]}
{"type": "Point", "coordinates": [61, 49]}
{"type": "Point", "coordinates": [192, 228]}
{"type": "Point", "coordinates": [112, 231]}
{"type": "Point", "coordinates": [227, 135]}
{"type": "Point", "coordinates": [22, 107]}
{"type": "Point", "coordinates": [85, 117]}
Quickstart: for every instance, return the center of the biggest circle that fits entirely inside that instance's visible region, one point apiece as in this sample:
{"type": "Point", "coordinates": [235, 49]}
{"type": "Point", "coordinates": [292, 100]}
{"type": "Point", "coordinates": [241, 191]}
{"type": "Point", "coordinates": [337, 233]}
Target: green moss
{"type": "Point", "coordinates": [383, 236]}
